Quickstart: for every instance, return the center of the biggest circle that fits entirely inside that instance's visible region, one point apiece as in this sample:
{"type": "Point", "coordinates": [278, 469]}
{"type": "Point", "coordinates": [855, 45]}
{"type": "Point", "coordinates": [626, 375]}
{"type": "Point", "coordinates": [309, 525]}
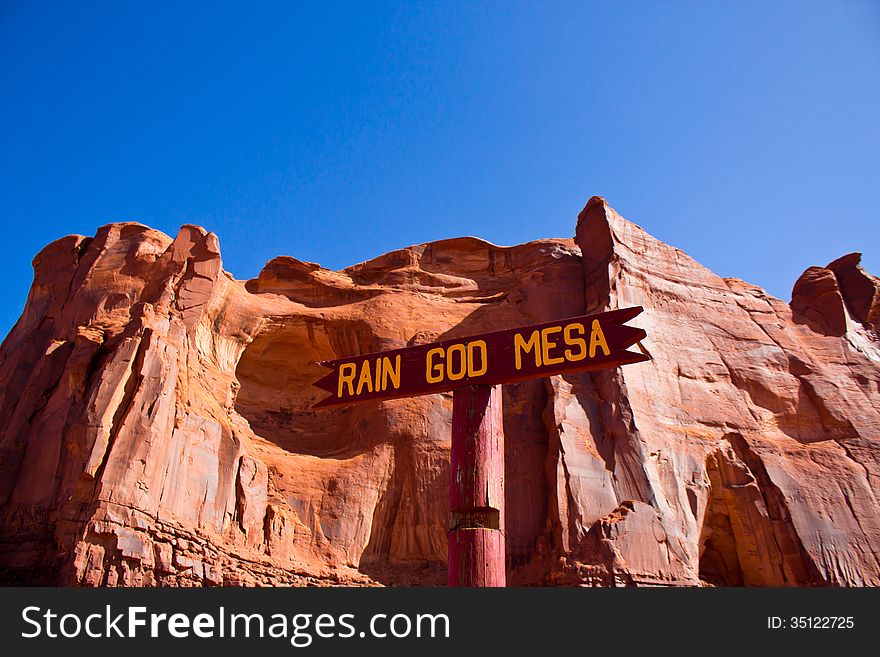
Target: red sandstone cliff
{"type": "Point", "coordinates": [155, 424]}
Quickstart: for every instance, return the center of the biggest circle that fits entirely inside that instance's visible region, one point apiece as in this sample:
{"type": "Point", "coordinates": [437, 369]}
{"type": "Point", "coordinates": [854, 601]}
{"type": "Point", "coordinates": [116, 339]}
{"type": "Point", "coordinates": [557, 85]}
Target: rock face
{"type": "Point", "coordinates": [155, 422]}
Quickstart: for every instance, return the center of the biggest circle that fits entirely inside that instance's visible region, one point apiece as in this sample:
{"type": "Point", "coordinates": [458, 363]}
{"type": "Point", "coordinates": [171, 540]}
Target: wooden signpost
{"type": "Point", "coordinates": [473, 368]}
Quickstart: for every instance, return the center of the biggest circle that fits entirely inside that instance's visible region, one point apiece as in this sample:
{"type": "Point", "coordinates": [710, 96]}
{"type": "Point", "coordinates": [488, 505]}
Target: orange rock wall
{"type": "Point", "coordinates": [155, 422]}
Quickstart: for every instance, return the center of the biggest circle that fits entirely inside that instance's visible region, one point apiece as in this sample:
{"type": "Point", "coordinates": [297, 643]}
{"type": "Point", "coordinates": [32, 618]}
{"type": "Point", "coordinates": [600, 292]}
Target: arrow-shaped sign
{"type": "Point", "coordinates": [578, 344]}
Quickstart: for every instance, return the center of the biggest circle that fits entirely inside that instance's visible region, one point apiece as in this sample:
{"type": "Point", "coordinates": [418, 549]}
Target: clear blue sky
{"type": "Point", "coordinates": [745, 133]}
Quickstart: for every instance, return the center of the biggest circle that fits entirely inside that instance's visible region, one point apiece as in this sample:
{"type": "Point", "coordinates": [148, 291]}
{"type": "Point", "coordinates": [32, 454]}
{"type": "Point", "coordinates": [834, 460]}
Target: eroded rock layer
{"type": "Point", "coordinates": [155, 422]}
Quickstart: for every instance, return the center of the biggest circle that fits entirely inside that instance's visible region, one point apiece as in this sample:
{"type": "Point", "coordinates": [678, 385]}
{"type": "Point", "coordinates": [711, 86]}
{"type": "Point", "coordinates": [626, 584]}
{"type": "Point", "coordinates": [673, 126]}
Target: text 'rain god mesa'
{"type": "Point", "coordinates": [578, 344]}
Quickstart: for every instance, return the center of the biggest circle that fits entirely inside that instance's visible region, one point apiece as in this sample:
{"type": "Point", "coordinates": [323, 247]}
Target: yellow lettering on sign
{"type": "Point", "coordinates": [365, 379]}
{"type": "Point", "coordinates": [522, 345]}
{"type": "Point", "coordinates": [547, 344]}
{"type": "Point", "coordinates": [453, 374]}
{"type": "Point", "coordinates": [390, 373]}
{"type": "Point", "coordinates": [597, 339]}
{"type": "Point", "coordinates": [572, 341]}
{"type": "Point", "coordinates": [434, 371]}
{"type": "Point", "coordinates": [346, 376]}
{"type": "Point", "coordinates": [484, 361]}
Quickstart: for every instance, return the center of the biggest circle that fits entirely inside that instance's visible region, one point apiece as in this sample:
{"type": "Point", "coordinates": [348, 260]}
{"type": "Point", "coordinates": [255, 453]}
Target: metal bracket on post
{"type": "Point", "coordinates": [476, 488]}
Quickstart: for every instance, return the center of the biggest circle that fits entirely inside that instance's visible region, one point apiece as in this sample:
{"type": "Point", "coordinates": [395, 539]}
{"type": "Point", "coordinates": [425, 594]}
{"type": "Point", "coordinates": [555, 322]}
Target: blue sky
{"type": "Point", "coordinates": [744, 133]}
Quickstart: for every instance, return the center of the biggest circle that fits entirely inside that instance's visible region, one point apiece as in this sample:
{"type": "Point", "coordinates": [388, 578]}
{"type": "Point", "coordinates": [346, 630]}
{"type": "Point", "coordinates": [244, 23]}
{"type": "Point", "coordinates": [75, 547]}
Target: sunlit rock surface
{"type": "Point", "coordinates": [155, 422]}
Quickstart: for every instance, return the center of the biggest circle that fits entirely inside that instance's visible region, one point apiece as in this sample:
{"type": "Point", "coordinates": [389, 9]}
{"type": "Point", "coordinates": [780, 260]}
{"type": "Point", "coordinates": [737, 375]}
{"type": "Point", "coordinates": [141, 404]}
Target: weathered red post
{"type": "Point", "coordinates": [476, 488]}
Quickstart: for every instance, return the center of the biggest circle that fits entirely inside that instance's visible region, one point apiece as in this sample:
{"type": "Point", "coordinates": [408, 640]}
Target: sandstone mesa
{"type": "Point", "coordinates": [156, 424]}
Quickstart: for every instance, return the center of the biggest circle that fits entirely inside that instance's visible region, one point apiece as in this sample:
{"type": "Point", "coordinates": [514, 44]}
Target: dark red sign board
{"type": "Point", "coordinates": [578, 344]}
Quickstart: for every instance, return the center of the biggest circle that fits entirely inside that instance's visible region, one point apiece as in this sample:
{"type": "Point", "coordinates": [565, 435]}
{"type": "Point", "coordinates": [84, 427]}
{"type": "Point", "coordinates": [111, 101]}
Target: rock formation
{"type": "Point", "coordinates": [155, 422]}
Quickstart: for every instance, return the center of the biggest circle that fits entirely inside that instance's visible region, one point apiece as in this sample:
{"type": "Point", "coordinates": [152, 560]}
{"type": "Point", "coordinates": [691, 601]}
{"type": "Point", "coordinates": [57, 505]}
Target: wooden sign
{"type": "Point", "coordinates": [578, 344]}
{"type": "Point", "coordinates": [473, 367]}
